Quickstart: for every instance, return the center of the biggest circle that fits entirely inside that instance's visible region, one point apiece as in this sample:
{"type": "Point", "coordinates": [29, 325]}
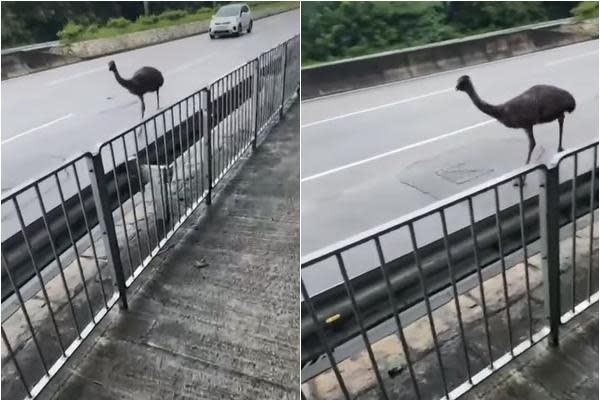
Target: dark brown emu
{"type": "Point", "coordinates": [146, 79]}
{"type": "Point", "coordinates": [537, 105]}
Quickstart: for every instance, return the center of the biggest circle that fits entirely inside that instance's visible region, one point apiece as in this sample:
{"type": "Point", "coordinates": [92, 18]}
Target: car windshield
{"type": "Point", "coordinates": [228, 11]}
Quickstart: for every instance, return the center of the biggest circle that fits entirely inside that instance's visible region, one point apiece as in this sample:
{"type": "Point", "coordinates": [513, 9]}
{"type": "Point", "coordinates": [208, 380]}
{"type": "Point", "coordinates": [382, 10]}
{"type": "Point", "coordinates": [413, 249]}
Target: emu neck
{"type": "Point", "coordinates": [482, 105]}
{"type": "Point", "coordinates": [122, 81]}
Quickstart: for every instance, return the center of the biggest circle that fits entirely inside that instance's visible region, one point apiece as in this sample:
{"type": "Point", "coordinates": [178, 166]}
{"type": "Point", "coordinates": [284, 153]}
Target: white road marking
{"type": "Point", "coordinates": [567, 59]}
{"type": "Point", "coordinates": [395, 151]}
{"type": "Point", "coordinates": [37, 128]}
{"type": "Point", "coordinates": [382, 106]}
{"type": "Point", "coordinates": [75, 76]}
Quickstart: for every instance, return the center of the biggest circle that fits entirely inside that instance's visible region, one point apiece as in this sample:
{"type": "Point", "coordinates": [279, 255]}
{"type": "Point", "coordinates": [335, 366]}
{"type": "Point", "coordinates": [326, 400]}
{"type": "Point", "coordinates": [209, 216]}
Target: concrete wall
{"type": "Point", "coordinates": [28, 62]}
{"type": "Point", "coordinates": [25, 62]}
{"type": "Point", "coordinates": [387, 67]}
{"type": "Point", "coordinates": [100, 47]}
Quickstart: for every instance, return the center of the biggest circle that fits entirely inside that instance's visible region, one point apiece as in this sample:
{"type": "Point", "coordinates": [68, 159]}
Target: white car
{"type": "Point", "coordinates": [232, 19]}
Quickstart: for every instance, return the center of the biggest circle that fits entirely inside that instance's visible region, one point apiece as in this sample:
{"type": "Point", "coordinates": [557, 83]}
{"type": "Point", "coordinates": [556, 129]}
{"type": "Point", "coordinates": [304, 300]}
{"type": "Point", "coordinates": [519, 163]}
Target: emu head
{"type": "Point", "coordinates": [464, 83]}
{"type": "Point", "coordinates": [112, 66]}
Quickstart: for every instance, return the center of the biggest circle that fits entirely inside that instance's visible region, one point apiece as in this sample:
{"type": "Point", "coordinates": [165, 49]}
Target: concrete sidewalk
{"type": "Point", "coordinates": [545, 373]}
{"type": "Point", "coordinates": [216, 314]}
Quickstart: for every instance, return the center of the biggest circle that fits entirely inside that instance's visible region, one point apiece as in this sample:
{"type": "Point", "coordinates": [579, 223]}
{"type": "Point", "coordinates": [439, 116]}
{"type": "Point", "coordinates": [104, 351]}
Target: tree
{"type": "Point", "coordinates": [334, 30]}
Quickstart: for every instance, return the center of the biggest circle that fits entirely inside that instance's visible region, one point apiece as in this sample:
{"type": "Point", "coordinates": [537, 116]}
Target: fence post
{"type": "Point", "coordinates": [549, 240]}
{"type": "Point", "coordinates": [284, 70]}
{"type": "Point", "coordinates": [209, 155]}
{"type": "Point", "coordinates": [255, 93]}
{"type": "Point", "coordinates": [107, 224]}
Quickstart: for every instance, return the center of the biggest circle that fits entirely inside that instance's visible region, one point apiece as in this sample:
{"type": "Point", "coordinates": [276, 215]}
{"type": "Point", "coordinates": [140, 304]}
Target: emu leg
{"type": "Point", "coordinates": [157, 100]}
{"type": "Point", "coordinates": [531, 143]}
{"type": "Point", "coordinates": [561, 119]}
{"type": "Point", "coordinates": [143, 105]}
{"type": "Point", "coordinates": [531, 138]}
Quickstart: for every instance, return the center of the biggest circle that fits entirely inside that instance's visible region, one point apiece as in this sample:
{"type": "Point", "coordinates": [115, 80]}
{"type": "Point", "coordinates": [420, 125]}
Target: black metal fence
{"type": "Point", "coordinates": [80, 235]}
{"type": "Point", "coordinates": [387, 332]}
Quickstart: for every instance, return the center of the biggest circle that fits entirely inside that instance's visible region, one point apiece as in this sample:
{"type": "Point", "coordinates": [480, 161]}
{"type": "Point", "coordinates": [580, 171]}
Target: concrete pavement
{"type": "Point", "coordinates": [216, 314]}
{"type": "Point", "coordinates": [535, 375]}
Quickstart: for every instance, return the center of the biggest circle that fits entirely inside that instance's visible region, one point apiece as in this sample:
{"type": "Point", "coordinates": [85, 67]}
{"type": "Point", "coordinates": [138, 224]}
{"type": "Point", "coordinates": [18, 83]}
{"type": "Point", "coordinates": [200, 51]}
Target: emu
{"type": "Point", "coordinates": [538, 104]}
{"type": "Point", "coordinates": [146, 79]}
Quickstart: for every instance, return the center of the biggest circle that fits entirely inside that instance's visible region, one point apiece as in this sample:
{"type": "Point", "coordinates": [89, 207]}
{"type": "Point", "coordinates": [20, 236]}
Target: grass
{"type": "Point", "coordinates": [114, 27]}
{"type": "Point", "coordinates": [585, 10]}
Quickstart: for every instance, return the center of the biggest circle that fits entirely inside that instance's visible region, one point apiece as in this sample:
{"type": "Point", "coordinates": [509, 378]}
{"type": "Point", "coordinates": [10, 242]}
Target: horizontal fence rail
{"type": "Point", "coordinates": [80, 235]}
{"type": "Point", "coordinates": [409, 278]}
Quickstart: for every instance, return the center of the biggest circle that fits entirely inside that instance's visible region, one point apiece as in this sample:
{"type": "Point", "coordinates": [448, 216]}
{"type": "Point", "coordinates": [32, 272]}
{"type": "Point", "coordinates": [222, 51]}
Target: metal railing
{"type": "Point", "coordinates": [80, 235]}
{"type": "Point", "coordinates": [420, 266]}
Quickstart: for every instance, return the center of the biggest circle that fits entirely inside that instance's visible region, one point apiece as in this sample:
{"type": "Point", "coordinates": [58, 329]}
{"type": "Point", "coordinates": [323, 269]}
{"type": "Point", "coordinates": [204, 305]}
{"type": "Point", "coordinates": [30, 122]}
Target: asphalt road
{"type": "Point", "coordinates": [374, 155]}
{"type": "Point", "coordinates": [52, 116]}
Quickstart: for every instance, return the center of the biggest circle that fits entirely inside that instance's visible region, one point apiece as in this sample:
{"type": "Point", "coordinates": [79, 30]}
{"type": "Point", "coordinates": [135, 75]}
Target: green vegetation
{"type": "Point", "coordinates": [338, 30]}
{"type": "Point", "coordinates": [118, 26]}
{"type": "Point", "coordinates": [585, 10]}
{"type": "Point", "coordinates": [72, 21]}
{"type": "Point", "coordinates": [73, 32]}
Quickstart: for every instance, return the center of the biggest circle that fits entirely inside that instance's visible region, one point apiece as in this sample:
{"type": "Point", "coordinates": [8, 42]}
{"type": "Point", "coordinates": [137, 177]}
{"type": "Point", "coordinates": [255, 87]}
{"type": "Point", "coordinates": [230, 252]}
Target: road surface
{"type": "Point", "coordinates": [373, 155]}
{"type": "Point", "coordinates": [52, 116]}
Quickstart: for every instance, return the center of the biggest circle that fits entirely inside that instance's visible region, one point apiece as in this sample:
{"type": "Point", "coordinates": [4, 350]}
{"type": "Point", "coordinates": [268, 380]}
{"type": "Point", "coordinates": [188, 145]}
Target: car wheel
{"type": "Point", "coordinates": [249, 27]}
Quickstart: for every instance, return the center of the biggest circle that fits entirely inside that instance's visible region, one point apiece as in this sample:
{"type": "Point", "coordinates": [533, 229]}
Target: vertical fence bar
{"type": "Point", "coordinates": [549, 240]}
{"type": "Point", "coordinates": [209, 130]}
{"type": "Point", "coordinates": [392, 299]}
{"type": "Point", "coordinates": [323, 340]}
{"type": "Point", "coordinates": [175, 167]}
{"type": "Point", "coordinates": [37, 273]}
{"type": "Point", "coordinates": [14, 359]}
{"type": "Point", "coordinates": [150, 180]}
{"type": "Point", "coordinates": [196, 131]}
{"type": "Point", "coordinates": [107, 225]}
{"type": "Point", "coordinates": [255, 102]}
{"type": "Point", "coordinates": [220, 127]}
{"type": "Point", "coordinates": [525, 255]}
{"type": "Point", "coordinates": [182, 157]}
{"type": "Point", "coordinates": [131, 197]}
{"type": "Point", "coordinates": [479, 276]}
{"type": "Point", "coordinates": [591, 248]}
{"type": "Point", "coordinates": [121, 202]}
{"type": "Point", "coordinates": [284, 55]}
{"type": "Point", "coordinates": [25, 313]}
{"type": "Point", "coordinates": [57, 258]}
{"type": "Point", "coordinates": [234, 117]}
{"type": "Point", "coordinates": [455, 293]}
{"type": "Point", "coordinates": [361, 324]}
{"type": "Point", "coordinates": [573, 232]}
{"type": "Point", "coordinates": [189, 149]}
{"type": "Point", "coordinates": [230, 131]}
{"type": "Point", "coordinates": [74, 245]}
{"type": "Point", "coordinates": [89, 231]}
{"type": "Point", "coordinates": [169, 178]}
{"type": "Point", "coordinates": [415, 250]}
{"type": "Point", "coordinates": [141, 184]}
{"type": "Point", "coordinates": [503, 265]}
{"type": "Point", "coordinates": [163, 180]}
